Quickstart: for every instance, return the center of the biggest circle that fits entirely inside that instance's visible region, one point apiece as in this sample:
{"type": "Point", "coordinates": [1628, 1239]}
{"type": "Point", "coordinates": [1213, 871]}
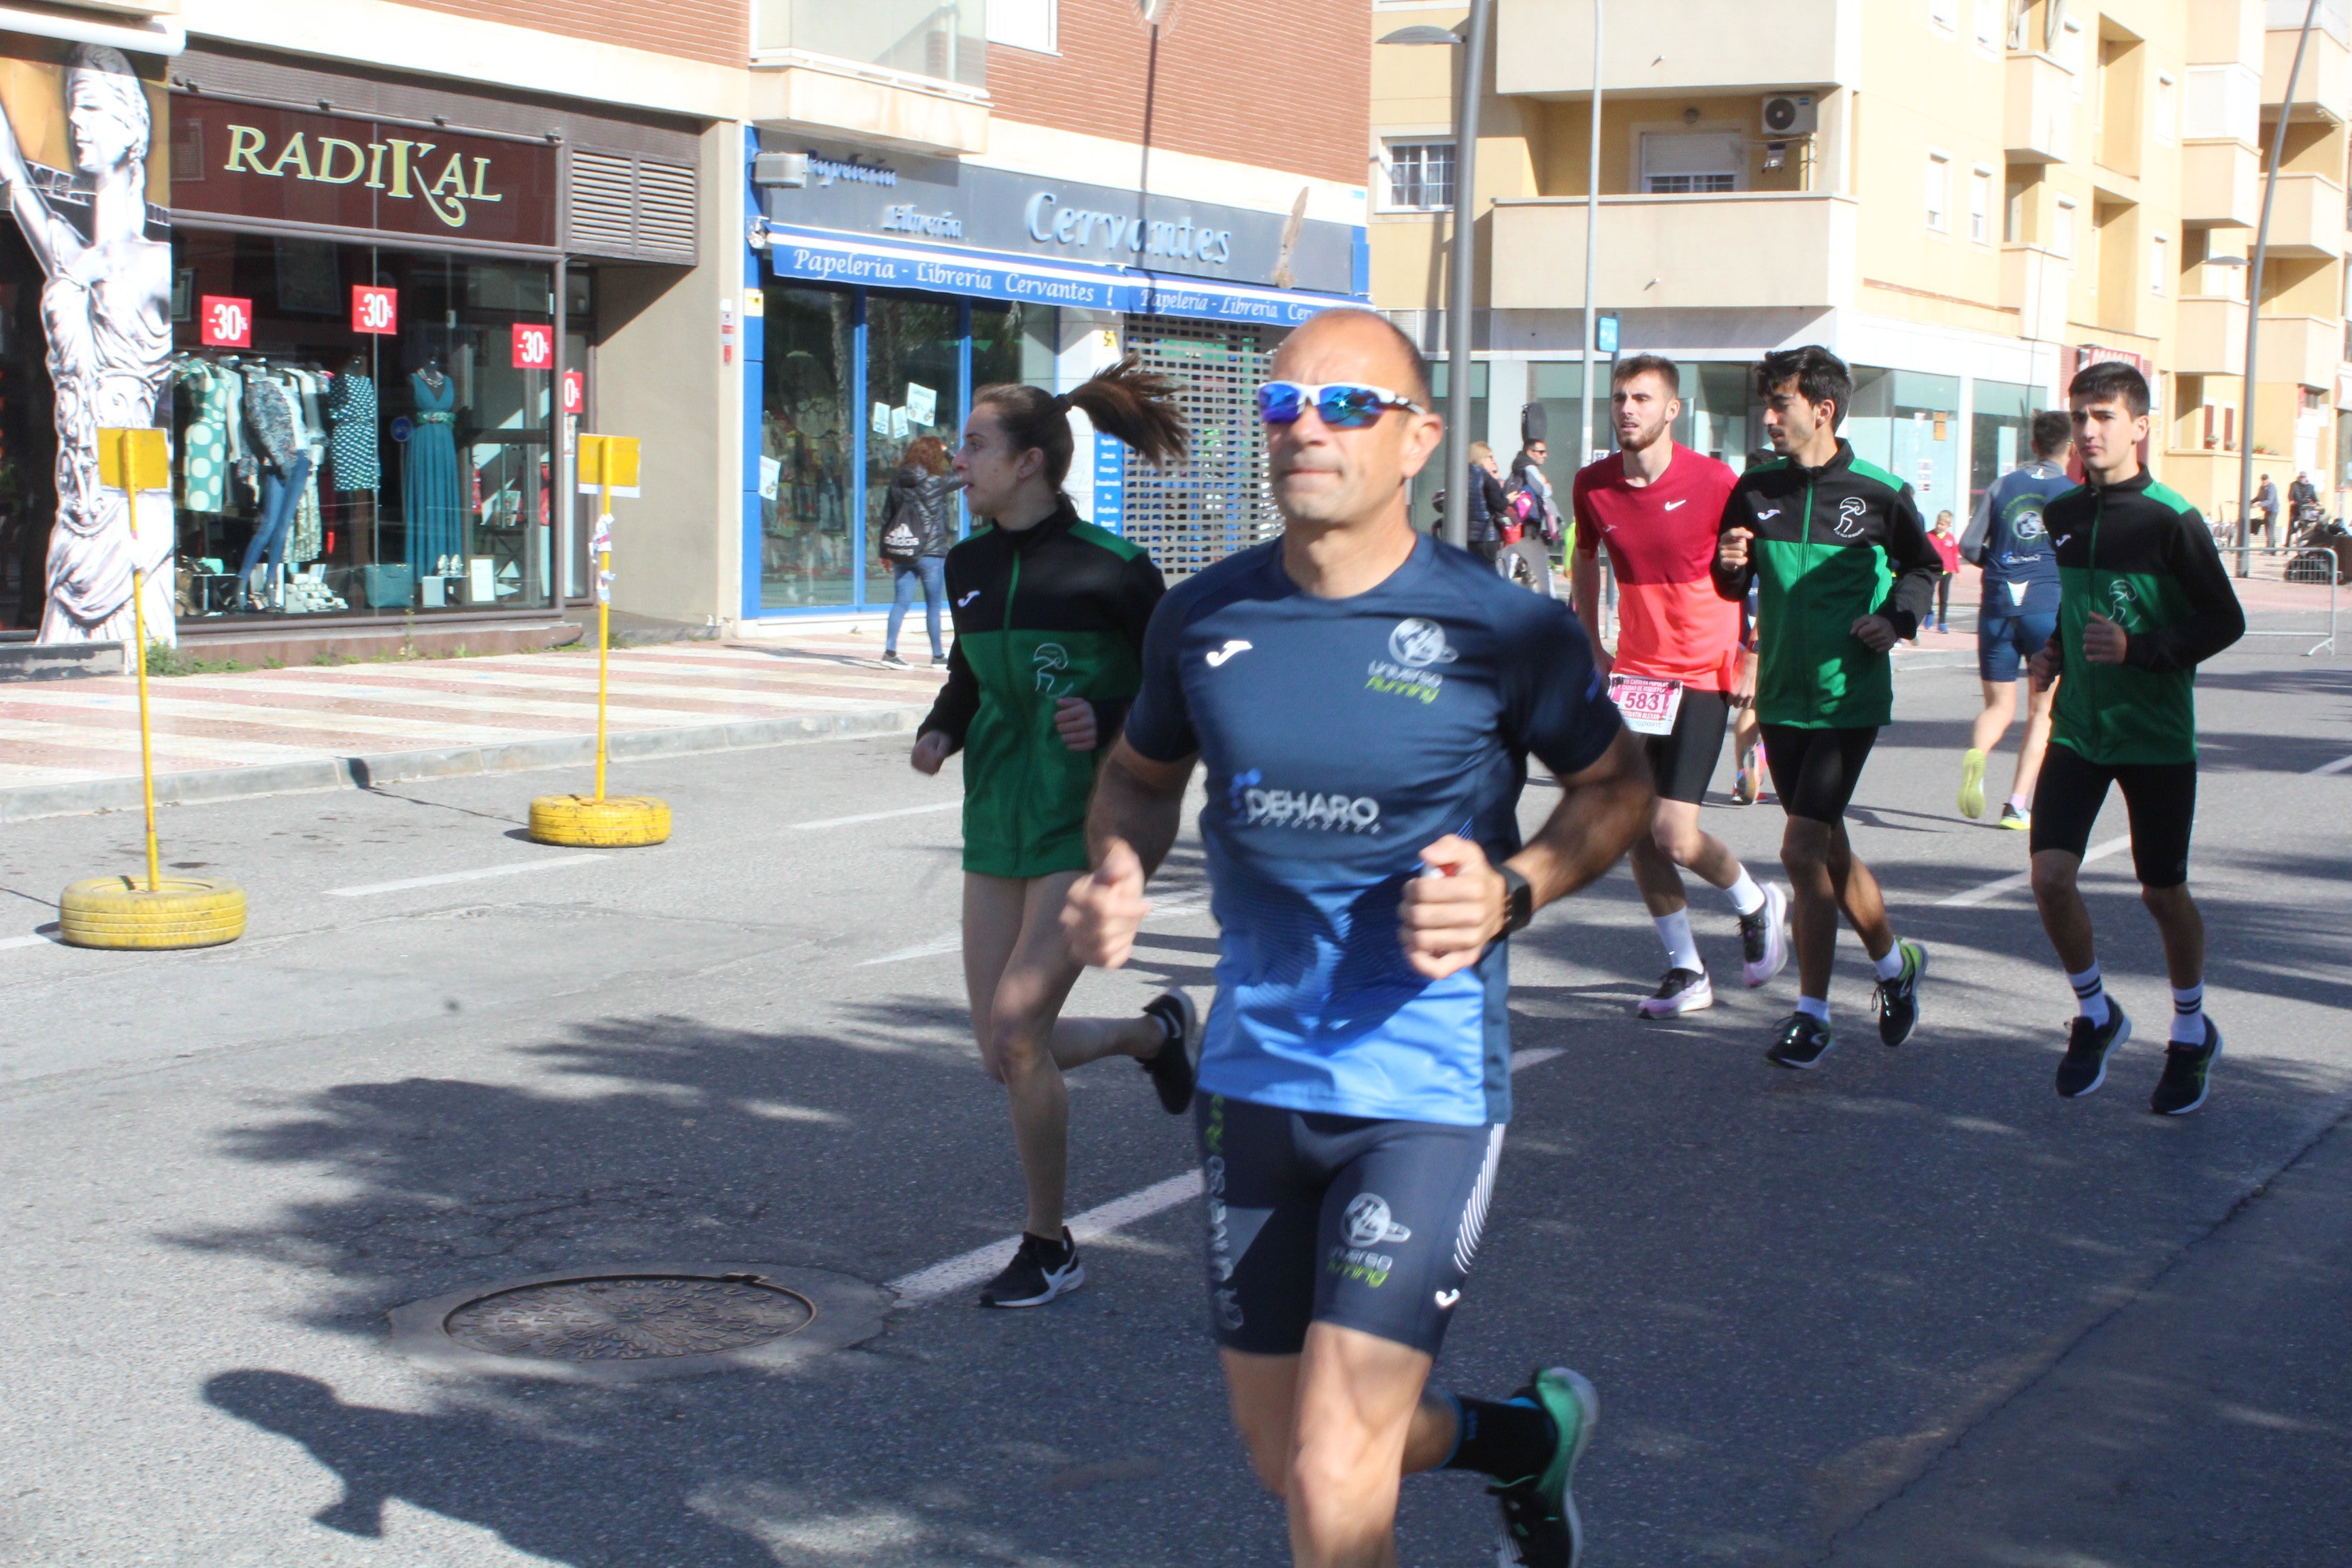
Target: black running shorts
{"type": "Point", "coordinates": [1684, 762]}
{"type": "Point", "coordinates": [1316, 1219]}
{"type": "Point", "coordinates": [1815, 771]}
{"type": "Point", "coordinates": [2161, 798]}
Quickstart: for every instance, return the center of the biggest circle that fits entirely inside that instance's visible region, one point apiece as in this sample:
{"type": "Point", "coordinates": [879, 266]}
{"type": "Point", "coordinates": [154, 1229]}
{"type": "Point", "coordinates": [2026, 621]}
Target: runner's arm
{"type": "Point", "coordinates": [2215, 620]}
{"type": "Point", "coordinates": [1131, 823]}
{"type": "Point", "coordinates": [1140, 589]}
{"type": "Point", "coordinates": [1732, 580]}
{"type": "Point", "coordinates": [1976, 539]}
{"type": "Point", "coordinates": [1602, 809]}
{"type": "Point", "coordinates": [952, 710]}
{"type": "Point", "coordinates": [1916, 562]}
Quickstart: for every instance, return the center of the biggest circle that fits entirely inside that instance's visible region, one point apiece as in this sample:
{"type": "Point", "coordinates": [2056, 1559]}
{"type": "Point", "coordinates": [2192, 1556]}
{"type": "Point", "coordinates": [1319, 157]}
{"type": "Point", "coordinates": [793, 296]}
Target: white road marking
{"type": "Point", "coordinates": [954, 943]}
{"type": "Point", "coordinates": [1993, 891]}
{"type": "Point", "coordinates": [959, 1273]}
{"type": "Point", "coordinates": [26, 941]}
{"type": "Point", "coordinates": [2340, 765]}
{"type": "Point", "coordinates": [880, 815]}
{"type": "Point", "coordinates": [407, 882]}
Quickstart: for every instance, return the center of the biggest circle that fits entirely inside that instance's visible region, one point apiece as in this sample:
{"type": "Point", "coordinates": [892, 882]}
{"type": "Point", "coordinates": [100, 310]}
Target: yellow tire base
{"type": "Point", "coordinates": [615, 823]}
{"type": "Point", "coordinates": [119, 912]}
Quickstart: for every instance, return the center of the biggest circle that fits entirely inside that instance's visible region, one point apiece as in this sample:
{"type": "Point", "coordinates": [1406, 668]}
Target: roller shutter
{"type": "Point", "coordinates": [630, 208]}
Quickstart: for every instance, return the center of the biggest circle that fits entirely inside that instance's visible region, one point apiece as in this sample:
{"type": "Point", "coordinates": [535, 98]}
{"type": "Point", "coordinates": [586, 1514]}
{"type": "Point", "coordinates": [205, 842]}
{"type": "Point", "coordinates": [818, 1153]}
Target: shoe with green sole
{"type": "Point", "coordinates": [1539, 1527]}
{"type": "Point", "coordinates": [1972, 802]}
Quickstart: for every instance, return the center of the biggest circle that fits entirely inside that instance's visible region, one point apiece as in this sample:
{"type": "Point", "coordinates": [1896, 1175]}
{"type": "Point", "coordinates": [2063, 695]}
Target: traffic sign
{"type": "Point", "coordinates": [374, 311]}
{"type": "Point", "coordinates": [225, 322]}
{"type": "Point", "coordinates": [1604, 334]}
{"type": "Point", "coordinates": [534, 347]}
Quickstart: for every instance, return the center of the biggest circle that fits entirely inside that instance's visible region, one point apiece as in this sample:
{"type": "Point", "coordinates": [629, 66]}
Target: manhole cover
{"type": "Point", "coordinates": [629, 1319]}
{"type": "Point", "coordinates": [654, 1320]}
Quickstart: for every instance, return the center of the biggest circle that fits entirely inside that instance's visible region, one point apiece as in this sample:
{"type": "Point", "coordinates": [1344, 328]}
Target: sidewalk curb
{"type": "Point", "coordinates": [89, 796]}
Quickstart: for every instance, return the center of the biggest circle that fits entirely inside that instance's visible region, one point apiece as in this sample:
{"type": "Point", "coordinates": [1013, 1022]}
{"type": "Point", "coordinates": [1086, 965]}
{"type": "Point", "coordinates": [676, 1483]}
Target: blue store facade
{"type": "Point", "coordinates": [882, 289]}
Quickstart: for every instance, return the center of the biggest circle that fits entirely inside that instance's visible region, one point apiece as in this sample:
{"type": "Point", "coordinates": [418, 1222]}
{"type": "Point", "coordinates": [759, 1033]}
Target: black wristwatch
{"type": "Point", "coordinates": [1519, 902]}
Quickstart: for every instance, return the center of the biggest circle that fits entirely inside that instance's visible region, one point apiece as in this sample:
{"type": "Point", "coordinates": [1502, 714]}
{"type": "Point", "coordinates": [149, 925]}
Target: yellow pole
{"type": "Point", "coordinates": [139, 651]}
{"type": "Point", "coordinates": [604, 616]}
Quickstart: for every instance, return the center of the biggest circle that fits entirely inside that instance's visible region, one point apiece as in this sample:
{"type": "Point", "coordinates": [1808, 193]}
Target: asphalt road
{"type": "Point", "coordinates": [1910, 1309]}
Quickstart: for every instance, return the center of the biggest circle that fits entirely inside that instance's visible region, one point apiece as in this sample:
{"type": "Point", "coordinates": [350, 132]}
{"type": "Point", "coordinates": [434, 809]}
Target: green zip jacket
{"type": "Point", "coordinates": [1830, 545]}
{"type": "Point", "coordinates": [2138, 555]}
{"type": "Point", "coordinates": [1040, 614]}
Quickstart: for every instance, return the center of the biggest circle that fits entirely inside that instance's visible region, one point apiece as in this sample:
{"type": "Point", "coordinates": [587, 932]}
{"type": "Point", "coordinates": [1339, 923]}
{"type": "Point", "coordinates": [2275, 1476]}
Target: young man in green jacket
{"type": "Point", "coordinates": [1843, 570]}
{"type": "Point", "coordinates": [2143, 601]}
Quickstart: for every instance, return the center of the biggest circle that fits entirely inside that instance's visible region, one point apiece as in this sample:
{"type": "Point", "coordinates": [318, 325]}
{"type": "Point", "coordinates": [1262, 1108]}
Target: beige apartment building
{"type": "Point", "coordinates": [377, 264]}
{"type": "Point", "coordinates": [1967, 199]}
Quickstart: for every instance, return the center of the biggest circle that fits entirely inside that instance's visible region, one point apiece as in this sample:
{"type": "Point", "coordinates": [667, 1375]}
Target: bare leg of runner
{"type": "Point", "coordinates": [2036, 742]}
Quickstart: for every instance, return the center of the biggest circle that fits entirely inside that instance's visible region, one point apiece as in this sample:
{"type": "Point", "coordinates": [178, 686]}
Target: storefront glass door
{"type": "Point", "coordinates": [808, 556]}
{"type": "Point", "coordinates": [914, 351]}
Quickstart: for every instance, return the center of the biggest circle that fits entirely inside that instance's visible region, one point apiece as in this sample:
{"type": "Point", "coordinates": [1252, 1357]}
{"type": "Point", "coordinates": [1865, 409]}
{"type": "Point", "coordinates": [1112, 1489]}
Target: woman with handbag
{"type": "Point", "coordinates": [917, 533]}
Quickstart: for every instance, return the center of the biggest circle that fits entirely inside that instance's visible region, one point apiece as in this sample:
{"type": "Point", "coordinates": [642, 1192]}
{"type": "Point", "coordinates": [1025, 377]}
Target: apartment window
{"type": "Point", "coordinates": [1939, 193]}
{"type": "Point", "coordinates": [1421, 176]}
{"type": "Point", "coordinates": [2167, 109]}
{"type": "Point", "coordinates": [2159, 262]}
{"type": "Point", "coordinates": [2062, 228]}
{"type": "Point", "coordinates": [1693, 163]}
{"type": "Point", "coordinates": [1989, 26]}
{"type": "Point", "coordinates": [1944, 13]}
{"type": "Point", "coordinates": [1024, 24]}
{"type": "Point", "coordinates": [2070, 50]}
{"type": "Point", "coordinates": [1980, 205]}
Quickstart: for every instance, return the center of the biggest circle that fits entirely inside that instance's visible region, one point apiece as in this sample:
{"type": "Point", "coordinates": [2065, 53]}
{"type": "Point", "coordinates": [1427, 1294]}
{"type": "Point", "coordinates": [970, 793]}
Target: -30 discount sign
{"type": "Point", "coordinates": [226, 324]}
{"type": "Point", "coordinates": [534, 347]}
{"type": "Point", "coordinates": [375, 311]}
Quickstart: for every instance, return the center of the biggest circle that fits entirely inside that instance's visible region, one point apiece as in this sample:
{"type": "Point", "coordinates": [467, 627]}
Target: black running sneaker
{"type": "Point", "coordinates": [1682, 991]}
{"type": "Point", "coordinates": [1539, 1527]}
{"type": "Point", "coordinates": [2183, 1087]}
{"type": "Point", "coordinates": [1898, 999]}
{"type": "Point", "coordinates": [1764, 938]}
{"type": "Point", "coordinates": [1040, 1272]}
{"type": "Point", "coordinates": [1175, 1065]}
{"type": "Point", "coordinates": [1801, 1041]}
{"type": "Point", "coordinates": [891, 657]}
{"type": "Point", "coordinates": [2084, 1067]}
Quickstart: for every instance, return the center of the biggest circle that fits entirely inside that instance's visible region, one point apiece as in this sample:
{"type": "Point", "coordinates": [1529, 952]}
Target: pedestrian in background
{"type": "Point", "coordinates": [1527, 479]}
{"type": "Point", "coordinates": [917, 533]}
{"type": "Point", "coordinates": [2263, 512]}
{"type": "Point", "coordinates": [1489, 505]}
{"type": "Point", "coordinates": [1948, 551]}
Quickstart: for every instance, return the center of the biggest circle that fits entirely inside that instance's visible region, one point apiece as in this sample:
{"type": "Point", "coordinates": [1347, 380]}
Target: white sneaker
{"type": "Point", "coordinates": [1682, 991]}
{"type": "Point", "coordinates": [1764, 937]}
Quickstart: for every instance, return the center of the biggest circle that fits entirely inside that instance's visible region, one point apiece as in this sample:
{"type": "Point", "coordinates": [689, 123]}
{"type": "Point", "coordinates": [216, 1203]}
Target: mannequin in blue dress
{"type": "Point", "coordinates": [431, 495]}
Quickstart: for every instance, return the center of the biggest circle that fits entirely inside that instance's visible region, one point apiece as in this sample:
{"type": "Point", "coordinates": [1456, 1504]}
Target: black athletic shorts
{"type": "Point", "coordinates": [1815, 771]}
{"type": "Point", "coordinates": [2161, 798]}
{"type": "Point", "coordinates": [1339, 1219]}
{"type": "Point", "coordinates": [1684, 762]}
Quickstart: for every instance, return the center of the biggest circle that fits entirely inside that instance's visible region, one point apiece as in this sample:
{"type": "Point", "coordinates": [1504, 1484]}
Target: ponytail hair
{"type": "Point", "coordinates": [1126, 401]}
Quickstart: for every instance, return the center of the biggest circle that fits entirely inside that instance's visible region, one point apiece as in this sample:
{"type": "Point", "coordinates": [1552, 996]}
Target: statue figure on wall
{"type": "Point", "coordinates": [107, 304]}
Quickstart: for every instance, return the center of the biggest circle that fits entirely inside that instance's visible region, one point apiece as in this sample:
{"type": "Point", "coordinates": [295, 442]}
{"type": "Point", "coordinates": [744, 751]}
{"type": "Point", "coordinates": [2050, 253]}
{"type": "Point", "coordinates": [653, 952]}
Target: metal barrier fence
{"type": "Point", "coordinates": [2291, 593]}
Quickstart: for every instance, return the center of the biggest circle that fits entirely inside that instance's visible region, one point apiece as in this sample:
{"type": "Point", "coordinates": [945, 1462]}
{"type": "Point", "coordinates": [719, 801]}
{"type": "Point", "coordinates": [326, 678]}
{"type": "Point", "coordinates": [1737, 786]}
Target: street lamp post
{"type": "Point", "coordinates": [2255, 305]}
{"type": "Point", "coordinates": [1592, 233]}
{"type": "Point", "coordinates": [1458, 307]}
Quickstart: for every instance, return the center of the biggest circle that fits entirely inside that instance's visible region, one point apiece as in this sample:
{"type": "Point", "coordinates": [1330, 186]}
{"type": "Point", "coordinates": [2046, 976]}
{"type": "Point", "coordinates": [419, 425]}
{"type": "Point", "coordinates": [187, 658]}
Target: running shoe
{"type": "Point", "coordinates": [2184, 1084]}
{"type": "Point", "coordinates": [891, 657]}
{"type": "Point", "coordinates": [1750, 784]}
{"type": "Point", "coordinates": [1801, 1041]}
{"type": "Point", "coordinates": [1898, 999]}
{"type": "Point", "coordinates": [1540, 1526]}
{"type": "Point", "coordinates": [939, 661]}
{"type": "Point", "coordinates": [2016, 821]}
{"type": "Point", "coordinates": [1174, 1066]}
{"type": "Point", "coordinates": [1039, 1271]}
{"type": "Point", "coordinates": [1764, 937]}
{"type": "Point", "coordinates": [1682, 991]}
{"type": "Point", "coordinates": [2084, 1067]}
{"type": "Point", "coordinates": [1972, 801]}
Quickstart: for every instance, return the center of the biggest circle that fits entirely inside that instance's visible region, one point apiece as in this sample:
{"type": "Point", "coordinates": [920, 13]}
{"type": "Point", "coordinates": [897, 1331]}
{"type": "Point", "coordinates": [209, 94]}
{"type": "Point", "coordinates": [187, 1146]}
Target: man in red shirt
{"type": "Point", "coordinates": [1655, 506]}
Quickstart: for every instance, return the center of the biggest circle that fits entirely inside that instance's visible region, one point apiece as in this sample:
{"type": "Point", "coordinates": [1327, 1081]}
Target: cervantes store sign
{"type": "Point", "coordinates": [286, 165]}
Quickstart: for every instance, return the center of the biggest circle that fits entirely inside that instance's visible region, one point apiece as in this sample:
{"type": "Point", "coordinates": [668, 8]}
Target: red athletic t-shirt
{"type": "Point", "coordinates": [1672, 624]}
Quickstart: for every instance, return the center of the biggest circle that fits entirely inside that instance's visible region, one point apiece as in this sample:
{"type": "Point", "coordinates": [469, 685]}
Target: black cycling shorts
{"type": "Point", "coordinates": [2161, 798]}
{"type": "Point", "coordinates": [1315, 1219]}
{"type": "Point", "coordinates": [1814, 771]}
{"type": "Point", "coordinates": [1684, 762]}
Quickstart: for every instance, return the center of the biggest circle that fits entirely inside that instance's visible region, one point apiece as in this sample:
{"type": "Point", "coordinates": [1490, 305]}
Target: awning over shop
{"type": "Point", "coordinates": [828, 257]}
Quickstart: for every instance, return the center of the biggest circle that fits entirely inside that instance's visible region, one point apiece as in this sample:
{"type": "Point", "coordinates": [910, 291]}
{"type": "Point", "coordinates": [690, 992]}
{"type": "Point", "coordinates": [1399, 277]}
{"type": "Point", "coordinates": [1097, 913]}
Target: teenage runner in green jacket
{"type": "Point", "coordinates": [2143, 600]}
{"type": "Point", "coordinates": [1049, 617]}
{"type": "Point", "coordinates": [1843, 570]}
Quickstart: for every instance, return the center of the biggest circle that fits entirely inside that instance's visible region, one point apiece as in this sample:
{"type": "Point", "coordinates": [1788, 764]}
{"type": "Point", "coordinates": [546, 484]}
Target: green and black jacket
{"type": "Point", "coordinates": [1040, 614]}
{"type": "Point", "coordinates": [1832, 544]}
{"type": "Point", "coordinates": [2138, 555]}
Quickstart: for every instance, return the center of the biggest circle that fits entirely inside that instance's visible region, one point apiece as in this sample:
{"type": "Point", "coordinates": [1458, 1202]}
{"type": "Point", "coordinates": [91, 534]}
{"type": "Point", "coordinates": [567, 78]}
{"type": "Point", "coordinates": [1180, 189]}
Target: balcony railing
{"type": "Point", "coordinates": [944, 39]}
{"type": "Point", "coordinates": [2209, 337]}
{"type": "Point", "coordinates": [2220, 184]}
{"type": "Point", "coordinates": [2307, 217]}
{"type": "Point", "coordinates": [1728, 45]}
{"type": "Point", "coordinates": [1749, 249]}
{"type": "Point", "coordinates": [2038, 116]}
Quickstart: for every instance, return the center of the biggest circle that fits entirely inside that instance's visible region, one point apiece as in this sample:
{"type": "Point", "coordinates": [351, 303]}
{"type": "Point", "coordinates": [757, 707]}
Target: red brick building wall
{"type": "Point", "coordinates": [718, 31]}
{"type": "Point", "coordinates": [1283, 84]}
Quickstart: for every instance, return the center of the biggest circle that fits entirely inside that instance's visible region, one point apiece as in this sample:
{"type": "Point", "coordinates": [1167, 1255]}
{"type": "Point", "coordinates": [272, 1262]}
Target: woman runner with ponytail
{"type": "Point", "coordinates": [1049, 617]}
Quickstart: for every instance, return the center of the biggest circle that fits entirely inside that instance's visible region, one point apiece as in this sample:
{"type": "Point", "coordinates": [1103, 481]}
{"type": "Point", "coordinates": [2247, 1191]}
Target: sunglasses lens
{"type": "Point", "coordinates": [1349, 407]}
{"type": "Point", "coordinates": [1278, 402]}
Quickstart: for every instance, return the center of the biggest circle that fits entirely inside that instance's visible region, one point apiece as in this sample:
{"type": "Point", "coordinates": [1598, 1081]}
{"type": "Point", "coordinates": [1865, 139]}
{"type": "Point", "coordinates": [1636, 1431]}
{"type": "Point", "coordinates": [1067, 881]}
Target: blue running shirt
{"type": "Point", "coordinates": [2020, 570]}
{"type": "Point", "coordinates": [1341, 737]}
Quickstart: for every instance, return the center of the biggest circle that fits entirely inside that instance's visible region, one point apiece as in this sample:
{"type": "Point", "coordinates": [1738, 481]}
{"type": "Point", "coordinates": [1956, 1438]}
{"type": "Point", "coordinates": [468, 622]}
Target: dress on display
{"type": "Point", "coordinates": [428, 477]}
{"type": "Point", "coordinates": [352, 416]}
{"type": "Point", "coordinates": [205, 446]}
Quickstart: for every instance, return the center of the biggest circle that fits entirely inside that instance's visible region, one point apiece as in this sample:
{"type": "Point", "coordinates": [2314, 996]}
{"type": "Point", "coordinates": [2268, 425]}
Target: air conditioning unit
{"type": "Point", "coordinates": [1791, 114]}
{"type": "Point", "coordinates": [788, 170]}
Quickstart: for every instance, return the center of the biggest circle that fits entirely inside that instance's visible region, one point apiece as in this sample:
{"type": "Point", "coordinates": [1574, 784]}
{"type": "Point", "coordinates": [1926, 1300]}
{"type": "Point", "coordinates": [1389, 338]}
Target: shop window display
{"type": "Point", "coordinates": [325, 468]}
{"type": "Point", "coordinates": [805, 447]}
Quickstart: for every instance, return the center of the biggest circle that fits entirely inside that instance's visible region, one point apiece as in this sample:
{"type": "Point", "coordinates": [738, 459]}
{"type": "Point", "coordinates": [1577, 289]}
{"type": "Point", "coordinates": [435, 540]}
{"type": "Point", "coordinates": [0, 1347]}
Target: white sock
{"type": "Point", "coordinates": [1674, 930]}
{"type": "Point", "coordinates": [1746, 897]}
{"type": "Point", "coordinates": [2189, 1014]}
{"type": "Point", "coordinates": [1814, 1007]}
{"type": "Point", "coordinates": [2090, 995]}
{"type": "Point", "coordinates": [1891, 967]}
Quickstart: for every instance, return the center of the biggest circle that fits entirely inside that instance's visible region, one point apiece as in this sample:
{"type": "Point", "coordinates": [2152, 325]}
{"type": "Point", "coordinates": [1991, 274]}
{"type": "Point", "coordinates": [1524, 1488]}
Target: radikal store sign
{"type": "Point", "coordinates": [241, 159]}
